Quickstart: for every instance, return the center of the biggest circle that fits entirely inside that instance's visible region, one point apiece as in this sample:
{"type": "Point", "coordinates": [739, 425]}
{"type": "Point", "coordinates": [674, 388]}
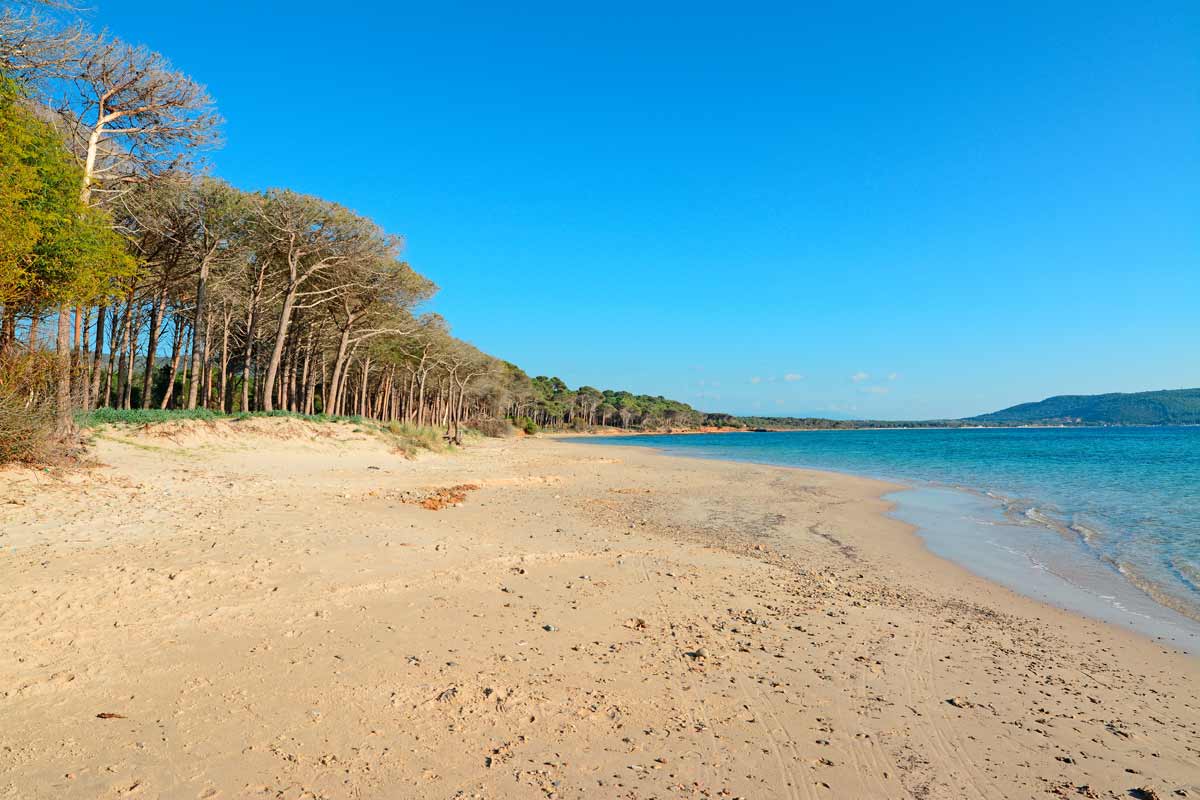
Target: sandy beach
{"type": "Point", "coordinates": [279, 609]}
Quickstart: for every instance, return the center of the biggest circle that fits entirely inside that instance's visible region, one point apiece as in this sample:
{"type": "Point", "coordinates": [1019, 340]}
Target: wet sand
{"type": "Point", "coordinates": [271, 609]}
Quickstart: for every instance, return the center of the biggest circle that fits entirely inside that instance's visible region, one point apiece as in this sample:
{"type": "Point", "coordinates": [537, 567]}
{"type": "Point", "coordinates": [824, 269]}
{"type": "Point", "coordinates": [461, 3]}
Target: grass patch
{"type": "Point", "coordinates": [409, 438]}
{"type": "Point", "coordinates": [140, 416]}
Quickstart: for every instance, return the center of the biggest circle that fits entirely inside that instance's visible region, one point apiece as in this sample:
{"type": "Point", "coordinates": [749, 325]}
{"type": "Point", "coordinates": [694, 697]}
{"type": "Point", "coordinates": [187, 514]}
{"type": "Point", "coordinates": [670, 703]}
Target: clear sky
{"type": "Point", "coordinates": [875, 209]}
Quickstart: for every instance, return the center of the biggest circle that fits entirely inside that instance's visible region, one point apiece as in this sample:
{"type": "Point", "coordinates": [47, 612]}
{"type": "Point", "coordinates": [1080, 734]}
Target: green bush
{"type": "Point", "coordinates": [141, 416]}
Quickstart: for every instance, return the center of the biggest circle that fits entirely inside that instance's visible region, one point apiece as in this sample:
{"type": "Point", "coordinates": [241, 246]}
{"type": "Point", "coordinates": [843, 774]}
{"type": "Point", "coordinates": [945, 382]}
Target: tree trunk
{"type": "Point", "coordinates": [8, 329]}
{"type": "Point", "coordinates": [63, 423]}
{"type": "Point", "coordinates": [207, 383]}
{"type": "Point", "coordinates": [35, 321]}
{"type": "Point", "coordinates": [310, 389]}
{"type": "Point", "coordinates": [224, 383]}
{"type": "Point", "coordinates": [285, 320]}
{"type": "Point", "coordinates": [120, 352]}
{"type": "Point", "coordinates": [324, 386]}
{"type": "Point", "coordinates": [135, 328]}
{"type": "Point", "coordinates": [156, 320]}
{"type": "Point", "coordinates": [248, 353]}
{"type": "Point", "coordinates": [82, 383]}
{"type": "Point", "coordinates": [200, 332]}
{"type": "Point", "coordinates": [176, 348]}
{"type": "Point", "coordinates": [421, 401]}
{"type": "Point", "coordinates": [93, 393]}
{"type": "Point", "coordinates": [76, 339]}
{"type": "Point", "coordinates": [408, 406]}
{"type": "Point", "coordinates": [285, 377]}
{"type": "Point", "coordinates": [363, 409]}
{"type": "Point", "coordinates": [339, 365]}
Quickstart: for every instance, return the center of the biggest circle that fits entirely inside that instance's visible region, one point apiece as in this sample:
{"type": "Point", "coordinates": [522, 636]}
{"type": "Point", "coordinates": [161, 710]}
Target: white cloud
{"type": "Point", "coordinates": [792, 377]}
{"type": "Point", "coordinates": [756, 379]}
{"type": "Point", "coordinates": [859, 377]}
{"type": "Point", "coordinates": [875, 389]}
{"type": "Point", "coordinates": [892, 376]}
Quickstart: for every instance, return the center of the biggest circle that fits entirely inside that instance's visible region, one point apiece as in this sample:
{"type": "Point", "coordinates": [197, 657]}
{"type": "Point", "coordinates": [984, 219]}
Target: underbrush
{"type": "Point", "coordinates": [409, 439]}
{"type": "Point", "coordinates": [27, 384]}
{"type": "Point", "coordinates": [494, 428]}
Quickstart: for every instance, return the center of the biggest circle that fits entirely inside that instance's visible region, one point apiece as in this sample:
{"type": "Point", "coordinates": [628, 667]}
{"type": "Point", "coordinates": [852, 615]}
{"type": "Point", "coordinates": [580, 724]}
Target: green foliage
{"type": "Point", "coordinates": [53, 248]}
{"type": "Point", "coordinates": [141, 416]}
{"type": "Point", "coordinates": [557, 406]}
{"type": "Point", "coordinates": [18, 182]}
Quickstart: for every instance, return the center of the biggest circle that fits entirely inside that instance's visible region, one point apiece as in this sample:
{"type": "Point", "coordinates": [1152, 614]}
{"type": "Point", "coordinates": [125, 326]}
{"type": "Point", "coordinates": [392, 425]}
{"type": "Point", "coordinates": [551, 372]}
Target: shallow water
{"type": "Point", "coordinates": [1104, 521]}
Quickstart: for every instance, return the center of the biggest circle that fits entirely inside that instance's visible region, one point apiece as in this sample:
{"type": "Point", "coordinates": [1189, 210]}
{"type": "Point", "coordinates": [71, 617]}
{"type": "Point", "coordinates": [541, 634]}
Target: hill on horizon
{"type": "Point", "coordinates": [1163, 407]}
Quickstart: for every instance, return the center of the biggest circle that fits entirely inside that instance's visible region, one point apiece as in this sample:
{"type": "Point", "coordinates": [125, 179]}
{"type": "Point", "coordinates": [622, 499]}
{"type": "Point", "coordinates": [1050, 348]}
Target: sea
{"type": "Point", "coordinates": [1101, 521]}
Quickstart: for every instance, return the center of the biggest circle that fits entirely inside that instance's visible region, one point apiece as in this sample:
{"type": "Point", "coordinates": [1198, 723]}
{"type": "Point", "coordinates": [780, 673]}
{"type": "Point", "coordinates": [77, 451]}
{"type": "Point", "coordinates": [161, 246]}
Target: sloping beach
{"type": "Point", "coordinates": [279, 609]}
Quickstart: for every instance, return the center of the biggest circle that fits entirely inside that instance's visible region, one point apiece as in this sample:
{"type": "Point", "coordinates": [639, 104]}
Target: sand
{"type": "Point", "coordinates": [270, 610]}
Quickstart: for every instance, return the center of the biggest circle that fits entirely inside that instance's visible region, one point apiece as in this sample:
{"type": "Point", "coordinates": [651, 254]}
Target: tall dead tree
{"type": "Point", "coordinates": [134, 117]}
{"type": "Point", "coordinates": [130, 118]}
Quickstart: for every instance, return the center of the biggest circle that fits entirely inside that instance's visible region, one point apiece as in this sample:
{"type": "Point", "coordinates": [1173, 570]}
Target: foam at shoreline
{"type": "Point", "coordinates": [1038, 562]}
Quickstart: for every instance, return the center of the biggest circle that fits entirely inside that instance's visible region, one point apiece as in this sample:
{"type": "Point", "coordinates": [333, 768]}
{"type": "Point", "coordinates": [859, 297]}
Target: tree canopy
{"type": "Point", "coordinates": [169, 288]}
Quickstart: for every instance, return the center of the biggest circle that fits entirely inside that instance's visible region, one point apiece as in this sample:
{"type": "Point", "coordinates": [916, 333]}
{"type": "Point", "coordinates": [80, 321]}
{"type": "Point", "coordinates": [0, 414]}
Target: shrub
{"type": "Point", "coordinates": [496, 428]}
{"type": "Point", "coordinates": [26, 407]}
{"type": "Point", "coordinates": [529, 426]}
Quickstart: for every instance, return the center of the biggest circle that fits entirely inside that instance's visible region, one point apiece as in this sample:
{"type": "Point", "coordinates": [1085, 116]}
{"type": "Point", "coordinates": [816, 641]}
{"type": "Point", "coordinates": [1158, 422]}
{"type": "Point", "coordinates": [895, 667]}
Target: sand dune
{"type": "Point", "coordinates": [272, 611]}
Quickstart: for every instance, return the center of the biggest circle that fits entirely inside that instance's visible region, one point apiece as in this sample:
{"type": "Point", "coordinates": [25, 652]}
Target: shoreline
{"type": "Point", "coordinates": [626, 432]}
{"type": "Point", "coordinates": [1148, 614]}
{"type": "Point", "coordinates": [599, 621]}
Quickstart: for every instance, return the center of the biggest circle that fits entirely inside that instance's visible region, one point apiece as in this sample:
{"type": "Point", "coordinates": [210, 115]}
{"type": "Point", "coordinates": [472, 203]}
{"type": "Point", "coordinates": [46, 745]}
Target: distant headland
{"type": "Point", "coordinates": [1161, 407]}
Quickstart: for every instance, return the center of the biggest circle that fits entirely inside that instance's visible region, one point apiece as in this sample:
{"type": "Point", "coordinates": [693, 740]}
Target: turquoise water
{"type": "Point", "coordinates": [1104, 509]}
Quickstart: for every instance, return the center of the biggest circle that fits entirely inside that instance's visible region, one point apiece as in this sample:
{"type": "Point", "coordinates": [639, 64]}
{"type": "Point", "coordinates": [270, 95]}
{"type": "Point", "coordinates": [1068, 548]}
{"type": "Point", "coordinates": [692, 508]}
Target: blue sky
{"type": "Point", "coordinates": [873, 210]}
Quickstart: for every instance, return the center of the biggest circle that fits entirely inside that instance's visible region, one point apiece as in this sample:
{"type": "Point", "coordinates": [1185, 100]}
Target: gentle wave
{"type": "Point", "coordinates": [1155, 590]}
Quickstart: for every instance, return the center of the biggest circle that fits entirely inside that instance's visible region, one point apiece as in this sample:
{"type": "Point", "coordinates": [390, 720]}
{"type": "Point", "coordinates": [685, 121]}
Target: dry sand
{"type": "Point", "coordinates": [266, 610]}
